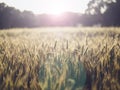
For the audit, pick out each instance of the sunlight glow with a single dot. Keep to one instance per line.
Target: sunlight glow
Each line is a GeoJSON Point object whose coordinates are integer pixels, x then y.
{"type": "Point", "coordinates": [56, 7]}
{"type": "Point", "coordinates": [49, 6]}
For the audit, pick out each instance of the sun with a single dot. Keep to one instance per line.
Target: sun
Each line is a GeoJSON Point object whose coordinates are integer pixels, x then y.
{"type": "Point", "coordinates": [56, 10]}
{"type": "Point", "coordinates": [56, 7]}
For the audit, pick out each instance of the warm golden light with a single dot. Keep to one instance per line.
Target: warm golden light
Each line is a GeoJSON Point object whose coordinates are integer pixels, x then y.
{"type": "Point", "coordinates": [56, 7]}
{"type": "Point", "coordinates": [49, 6]}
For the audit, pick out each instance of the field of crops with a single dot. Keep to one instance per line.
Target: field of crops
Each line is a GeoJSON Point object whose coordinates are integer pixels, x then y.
{"type": "Point", "coordinates": [60, 59]}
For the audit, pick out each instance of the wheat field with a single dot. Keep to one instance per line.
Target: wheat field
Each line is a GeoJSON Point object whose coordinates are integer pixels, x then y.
{"type": "Point", "coordinates": [70, 58]}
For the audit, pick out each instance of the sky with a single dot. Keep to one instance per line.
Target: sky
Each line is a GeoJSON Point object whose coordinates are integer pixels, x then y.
{"type": "Point", "coordinates": [49, 6]}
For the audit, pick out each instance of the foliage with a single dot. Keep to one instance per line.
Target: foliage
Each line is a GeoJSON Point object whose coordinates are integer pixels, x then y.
{"type": "Point", "coordinates": [106, 12]}
{"type": "Point", "coordinates": [99, 12]}
{"type": "Point", "coordinates": [99, 6]}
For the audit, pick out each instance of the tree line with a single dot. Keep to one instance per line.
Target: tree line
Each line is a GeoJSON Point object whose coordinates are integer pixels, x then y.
{"type": "Point", "coordinates": [99, 12]}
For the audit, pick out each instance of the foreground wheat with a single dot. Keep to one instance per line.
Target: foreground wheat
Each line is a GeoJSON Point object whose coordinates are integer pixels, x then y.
{"type": "Point", "coordinates": [60, 59]}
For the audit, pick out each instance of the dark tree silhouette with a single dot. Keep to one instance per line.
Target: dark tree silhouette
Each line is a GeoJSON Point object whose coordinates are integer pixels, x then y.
{"type": "Point", "coordinates": [11, 17]}
{"type": "Point", "coordinates": [2, 7]}
{"type": "Point", "coordinates": [98, 6]}
{"type": "Point", "coordinates": [106, 11]}
{"type": "Point", "coordinates": [99, 12]}
{"type": "Point", "coordinates": [112, 15]}
{"type": "Point", "coordinates": [28, 18]}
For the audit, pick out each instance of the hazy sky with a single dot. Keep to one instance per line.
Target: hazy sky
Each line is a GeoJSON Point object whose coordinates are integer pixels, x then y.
{"type": "Point", "coordinates": [49, 6]}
